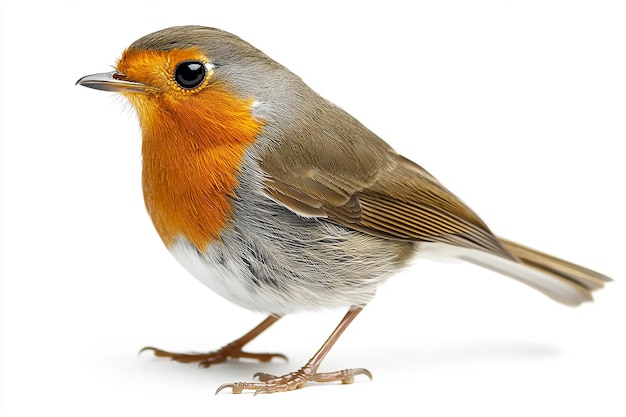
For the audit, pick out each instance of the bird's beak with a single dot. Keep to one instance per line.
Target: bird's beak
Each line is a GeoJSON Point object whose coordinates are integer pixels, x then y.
{"type": "Point", "coordinates": [113, 81]}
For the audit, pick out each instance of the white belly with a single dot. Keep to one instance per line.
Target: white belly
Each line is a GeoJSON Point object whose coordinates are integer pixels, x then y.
{"type": "Point", "coordinates": [265, 277]}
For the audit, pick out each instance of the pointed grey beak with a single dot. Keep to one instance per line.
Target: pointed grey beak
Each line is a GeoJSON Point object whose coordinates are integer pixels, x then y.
{"type": "Point", "coordinates": [113, 81]}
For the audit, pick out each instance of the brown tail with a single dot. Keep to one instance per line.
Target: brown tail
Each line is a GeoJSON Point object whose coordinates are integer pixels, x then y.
{"type": "Point", "coordinates": [560, 280]}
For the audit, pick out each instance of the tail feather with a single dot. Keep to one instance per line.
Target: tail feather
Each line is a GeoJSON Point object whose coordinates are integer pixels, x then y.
{"type": "Point", "coordinates": [586, 277]}
{"type": "Point", "coordinates": [560, 280]}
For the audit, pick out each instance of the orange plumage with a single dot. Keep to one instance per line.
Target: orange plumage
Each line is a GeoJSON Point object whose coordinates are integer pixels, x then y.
{"type": "Point", "coordinates": [193, 145]}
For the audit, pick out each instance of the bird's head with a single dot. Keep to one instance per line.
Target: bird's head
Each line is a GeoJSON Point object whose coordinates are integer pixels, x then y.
{"type": "Point", "coordinates": [203, 97]}
{"type": "Point", "coordinates": [199, 75]}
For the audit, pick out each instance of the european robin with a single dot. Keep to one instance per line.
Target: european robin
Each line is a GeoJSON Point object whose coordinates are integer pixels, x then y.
{"type": "Point", "coordinates": [280, 201]}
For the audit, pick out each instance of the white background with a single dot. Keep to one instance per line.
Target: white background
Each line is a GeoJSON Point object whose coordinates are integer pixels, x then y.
{"type": "Point", "coordinates": [518, 107]}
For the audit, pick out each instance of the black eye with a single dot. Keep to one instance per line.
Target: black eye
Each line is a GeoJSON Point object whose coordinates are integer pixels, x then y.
{"type": "Point", "coordinates": [190, 74]}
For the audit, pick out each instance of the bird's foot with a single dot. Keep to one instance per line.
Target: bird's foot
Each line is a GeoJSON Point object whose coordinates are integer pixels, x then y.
{"type": "Point", "coordinates": [231, 351]}
{"type": "Point", "coordinates": [270, 383]}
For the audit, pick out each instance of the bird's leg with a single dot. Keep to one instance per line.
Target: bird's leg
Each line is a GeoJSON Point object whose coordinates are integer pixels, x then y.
{"type": "Point", "coordinates": [294, 380]}
{"type": "Point", "coordinates": [232, 350]}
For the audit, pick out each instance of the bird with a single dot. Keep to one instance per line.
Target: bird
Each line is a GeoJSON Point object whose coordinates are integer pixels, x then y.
{"type": "Point", "coordinates": [282, 202]}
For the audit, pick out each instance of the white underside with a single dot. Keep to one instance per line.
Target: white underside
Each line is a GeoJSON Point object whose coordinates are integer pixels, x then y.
{"type": "Point", "coordinates": [225, 279]}
{"type": "Point", "coordinates": [229, 276]}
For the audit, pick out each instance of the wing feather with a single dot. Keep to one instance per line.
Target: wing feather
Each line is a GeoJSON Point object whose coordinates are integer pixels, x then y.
{"type": "Point", "coordinates": [398, 200]}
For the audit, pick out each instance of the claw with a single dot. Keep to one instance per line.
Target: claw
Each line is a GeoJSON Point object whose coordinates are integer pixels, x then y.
{"type": "Point", "coordinates": [263, 377]}
{"type": "Point", "coordinates": [146, 349]}
{"type": "Point", "coordinates": [234, 387]}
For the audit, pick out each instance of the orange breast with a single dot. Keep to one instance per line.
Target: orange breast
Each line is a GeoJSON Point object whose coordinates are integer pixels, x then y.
{"type": "Point", "coordinates": [193, 146]}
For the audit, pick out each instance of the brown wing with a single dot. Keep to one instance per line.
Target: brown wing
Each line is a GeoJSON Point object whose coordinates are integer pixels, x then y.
{"type": "Point", "coordinates": [364, 185]}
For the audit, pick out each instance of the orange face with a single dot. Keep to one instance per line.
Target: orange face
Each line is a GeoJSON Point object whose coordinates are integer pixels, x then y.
{"type": "Point", "coordinates": [194, 140]}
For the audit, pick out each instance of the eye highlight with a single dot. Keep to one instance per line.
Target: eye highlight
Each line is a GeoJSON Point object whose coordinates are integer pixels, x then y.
{"type": "Point", "coordinates": [190, 74]}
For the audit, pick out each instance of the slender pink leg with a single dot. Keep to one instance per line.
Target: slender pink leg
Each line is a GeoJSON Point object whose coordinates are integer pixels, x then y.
{"type": "Point", "coordinates": [294, 380]}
